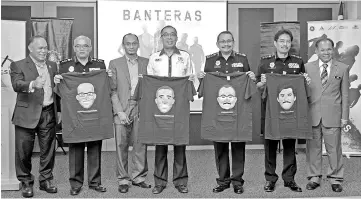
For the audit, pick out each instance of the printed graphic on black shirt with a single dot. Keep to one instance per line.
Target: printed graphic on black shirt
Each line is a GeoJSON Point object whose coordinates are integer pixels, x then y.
{"type": "Point", "coordinates": [165, 98]}
{"type": "Point", "coordinates": [86, 95]}
{"type": "Point", "coordinates": [227, 97]}
{"type": "Point", "coordinates": [286, 97]}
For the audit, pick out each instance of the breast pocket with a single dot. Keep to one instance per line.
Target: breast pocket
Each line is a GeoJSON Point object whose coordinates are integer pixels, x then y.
{"type": "Point", "coordinates": [88, 118]}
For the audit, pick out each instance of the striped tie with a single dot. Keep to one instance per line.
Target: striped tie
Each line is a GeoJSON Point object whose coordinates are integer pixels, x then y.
{"type": "Point", "coordinates": [324, 75]}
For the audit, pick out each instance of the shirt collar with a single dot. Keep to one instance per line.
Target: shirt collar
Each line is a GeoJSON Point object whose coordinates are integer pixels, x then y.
{"type": "Point", "coordinates": [176, 51]}
{"type": "Point", "coordinates": [320, 63]}
{"type": "Point", "coordinates": [276, 56]}
{"type": "Point", "coordinates": [231, 55]}
{"type": "Point", "coordinates": [131, 60]}
{"type": "Point", "coordinates": [38, 64]}
{"type": "Point", "coordinates": [76, 60]}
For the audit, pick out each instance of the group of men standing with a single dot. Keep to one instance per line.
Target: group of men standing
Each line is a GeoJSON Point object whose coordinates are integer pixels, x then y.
{"type": "Point", "coordinates": [37, 111]}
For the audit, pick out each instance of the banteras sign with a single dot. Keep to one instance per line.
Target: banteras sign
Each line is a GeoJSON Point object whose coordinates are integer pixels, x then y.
{"type": "Point", "coordinates": [166, 15]}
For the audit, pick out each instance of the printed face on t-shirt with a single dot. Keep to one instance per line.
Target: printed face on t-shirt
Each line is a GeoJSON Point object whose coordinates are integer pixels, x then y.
{"type": "Point", "coordinates": [227, 97]}
{"type": "Point", "coordinates": [86, 95]}
{"type": "Point", "coordinates": [164, 99]}
{"type": "Point", "coordinates": [286, 98]}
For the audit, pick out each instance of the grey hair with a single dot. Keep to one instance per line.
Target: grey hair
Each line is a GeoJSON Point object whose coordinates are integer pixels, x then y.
{"type": "Point", "coordinates": [83, 37]}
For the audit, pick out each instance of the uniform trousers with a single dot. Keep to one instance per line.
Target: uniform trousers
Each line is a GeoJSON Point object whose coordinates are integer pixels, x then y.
{"type": "Point", "coordinates": [180, 173]}
{"type": "Point", "coordinates": [221, 151]}
{"type": "Point", "coordinates": [289, 159]}
{"type": "Point", "coordinates": [24, 145]}
{"type": "Point", "coordinates": [76, 163]}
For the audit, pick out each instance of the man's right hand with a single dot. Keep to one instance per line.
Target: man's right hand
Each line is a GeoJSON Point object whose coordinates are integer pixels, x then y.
{"type": "Point", "coordinates": [123, 118]}
{"type": "Point", "coordinates": [39, 82]}
{"type": "Point", "coordinates": [263, 78]}
{"type": "Point", "coordinates": [57, 79]}
{"type": "Point", "coordinates": [201, 75]}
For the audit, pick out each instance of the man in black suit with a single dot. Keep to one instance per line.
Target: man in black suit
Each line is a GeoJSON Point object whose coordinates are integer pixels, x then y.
{"type": "Point", "coordinates": [34, 113]}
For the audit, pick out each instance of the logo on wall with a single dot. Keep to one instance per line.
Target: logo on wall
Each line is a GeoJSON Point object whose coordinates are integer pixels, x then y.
{"type": "Point", "coordinates": [312, 28]}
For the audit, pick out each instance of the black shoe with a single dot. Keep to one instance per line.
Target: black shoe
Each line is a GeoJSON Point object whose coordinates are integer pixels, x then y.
{"type": "Point", "coordinates": [238, 189]}
{"type": "Point", "coordinates": [123, 188]}
{"type": "Point", "coordinates": [75, 191]}
{"type": "Point", "coordinates": [48, 186]}
{"type": "Point", "coordinates": [269, 186]}
{"type": "Point", "coordinates": [98, 188]}
{"type": "Point", "coordinates": [27, 191]}
{"type": "Point", "coordinates": [220, 188]}
{"type": "Point", "coordinates": [293, 186]}
{"type": "Point", "coordinates": [182, 188]}
{"type": "Point", "coordinates": [158, 189]}
{"type": "Point", "coordinates": [336, 187]}
{"type": "Point", "coordinates": [142, 185]}
{"type": "Point", "coordinates": [312, 185]}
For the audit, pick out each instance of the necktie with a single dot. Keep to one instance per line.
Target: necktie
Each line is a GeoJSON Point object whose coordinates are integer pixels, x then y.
{"type": "Point", "coordinates": [324, 75]}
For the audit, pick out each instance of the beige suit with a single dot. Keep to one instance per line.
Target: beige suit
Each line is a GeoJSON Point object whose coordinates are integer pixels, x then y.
{"type": "Point", "coordinates": [328, 106]}
{"type": "Point", "coordinates": [125, 135]}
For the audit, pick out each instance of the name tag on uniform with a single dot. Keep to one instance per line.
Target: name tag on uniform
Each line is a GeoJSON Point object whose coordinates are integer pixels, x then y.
{"type": "Point", "coordinates": [293, 65]}
{"type": "Point", "coordinates": [237, 65]}
{"type": "Point", "coordinates": [91, 69]}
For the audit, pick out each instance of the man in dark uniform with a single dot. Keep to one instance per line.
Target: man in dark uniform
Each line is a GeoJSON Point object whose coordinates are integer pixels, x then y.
{"type": "Point", "coordinates": [228, 61]}
{"type": "Point", "coordinates": [280, 63]}
{"type": "Point", "coordinates": [82, 62]}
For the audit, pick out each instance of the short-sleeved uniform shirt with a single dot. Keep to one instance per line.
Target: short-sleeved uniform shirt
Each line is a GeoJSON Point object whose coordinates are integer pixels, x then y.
{"type": "Point", "coordinates": [236, 62]}
{"type": "Point", "coordinates": [287, 115]}
{"type": "Point", "coordinates": [171, 127]}
{"type": "Point", "coordinates": [292, 64]}
{"type": "Point", "coordinates": [232, 125]}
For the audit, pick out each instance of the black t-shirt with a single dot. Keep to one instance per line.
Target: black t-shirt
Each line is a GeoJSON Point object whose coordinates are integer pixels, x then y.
{"type": "Point", "coordinates": [221, 121]}
{"type": "Point", "coordinates": [287, 114]}
{"type": "Point", "coordinates": [172, 126]}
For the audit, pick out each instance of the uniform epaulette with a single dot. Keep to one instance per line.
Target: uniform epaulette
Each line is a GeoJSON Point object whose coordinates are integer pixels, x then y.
{"type": "Point", "coordinates": [267, 56]}
{"type": "Point", "coordinates": [98, 60]}
{"type": "Point", "coordinates": [211, 55]}
{"type": "Point", "coordinates": [65, 60]}
{"type": "Point", "coordinates": [296, 56]}
{"type": "Point", "coordinates": [237, 53]}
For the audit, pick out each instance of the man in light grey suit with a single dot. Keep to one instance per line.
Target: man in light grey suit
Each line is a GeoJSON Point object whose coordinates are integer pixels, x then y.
{"type": "Point", "coordinates": [329, 111]}
{"type": "Point", "coordinates": [125, 71]}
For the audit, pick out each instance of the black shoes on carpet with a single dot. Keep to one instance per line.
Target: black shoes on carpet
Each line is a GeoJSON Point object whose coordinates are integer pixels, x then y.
{"type": "Point", "coordinates": [270, 186]}
{"type": "Point", "coordinates": [312, 185]}
{"type": "Point", "coordinates": [238, 189]}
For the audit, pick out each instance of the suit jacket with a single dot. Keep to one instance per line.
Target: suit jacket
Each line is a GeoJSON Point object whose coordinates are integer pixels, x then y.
{"type": "Point", "coordinates": [29, 104]}
{"type": "Point", "coordinates": [121, 92]}
{"type": "Point", "coordinates": [330, 103]}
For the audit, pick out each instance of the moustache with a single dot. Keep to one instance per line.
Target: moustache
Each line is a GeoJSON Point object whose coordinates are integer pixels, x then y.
{"type": "Point", "coordinates": [286, 102]}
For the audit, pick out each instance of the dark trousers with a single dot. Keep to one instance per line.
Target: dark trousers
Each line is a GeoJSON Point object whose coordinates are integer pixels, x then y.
{"type": "Point", "coordinates": [289, 160]}
{"type": "Point", "coordinates": [24, 145]}
{"type": "Point", "coordinates": [76, 163]}
{"type": "Point", "coordinates": [180, 173]}
{"type": "Point", "coordinates": [221, 150]}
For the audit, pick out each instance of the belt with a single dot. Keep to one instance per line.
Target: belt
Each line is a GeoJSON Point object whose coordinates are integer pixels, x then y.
{"type": "Point", "coordinates": [48, 107]}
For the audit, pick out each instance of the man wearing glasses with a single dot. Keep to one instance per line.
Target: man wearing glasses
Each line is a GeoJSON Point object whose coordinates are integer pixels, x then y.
{"type": "Point", "coordinates": [228, 61]}
{"type": "Point", "coordinates": [281, 63]}
{"type": "Point", "coordinates": [82, 62]}
{"type": "Point", "coordinates": [170, 62]}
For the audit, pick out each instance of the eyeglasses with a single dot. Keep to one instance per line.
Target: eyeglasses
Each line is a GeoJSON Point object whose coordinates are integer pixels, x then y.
{"type": "Point", "coordinates": [82, 46]}
{"type": "Point", "coordinates": [227, 96]}
{"type": "Point", "coordinates": [284, 41]}
{"type": "Point", "coordinates": [169, 35]}
{"type": "Point", "coordinates": [128, 44]}
{"type": "Point", "coordinates": [83, 95]}
{"type": "Point", "coordinates": [224, 41]}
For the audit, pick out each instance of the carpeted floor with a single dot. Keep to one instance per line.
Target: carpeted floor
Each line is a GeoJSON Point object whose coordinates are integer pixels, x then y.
{"type": "Point", "coordinates": [202, 174]}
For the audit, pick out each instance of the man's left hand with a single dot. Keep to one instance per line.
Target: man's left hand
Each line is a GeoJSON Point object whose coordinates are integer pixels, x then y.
{"type": "Point", "coordinates": [192, 77]}
{"type": "Point", "coordinates": [251, 75]}
{"type": "Point", "coordinates": [109, 73]}
{"type": "Point", "coordinates": [308, 79]}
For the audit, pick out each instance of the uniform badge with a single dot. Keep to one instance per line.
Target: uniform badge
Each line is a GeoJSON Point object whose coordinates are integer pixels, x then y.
{"type": "Point", "coordinates": [92, 69]}
{"type": "Point", "coordinates": [293, 65]}
{"type": "Point", "coordinates": [158, 59]}
{"type": "Point", "coordinates": [217, 64]}
{"type": "Point", "coordinates": [284, 72]}
{"type": "Point", "coordinates": [180, 59]}
{"type": "Point", "coordinates": [71, 69]}
{"type": "Point", "coordinates": [272, 65]}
